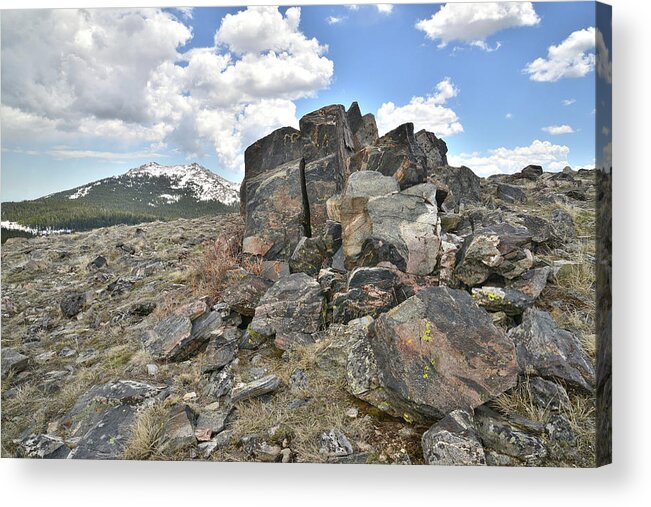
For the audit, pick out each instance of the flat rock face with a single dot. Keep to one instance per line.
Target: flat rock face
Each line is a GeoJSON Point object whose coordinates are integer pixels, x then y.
{"type": "Point", "coordinates": [101, 419]}
{"type": "Point", "coordinates": [13, 361]}
{"type": "Point", "coordinates": [275, 214]}
{"type": "Point", "coordinates": [546, 350]}
{"type": "Point", "coordinates": [291, 311]}
{"type": "Point", "coordinates": [453, 441]}
{"type": "Point", "coordinates": [400, 228]}
{"type": "Point", "coordinates": [434, 353]}
{"type": "Point", "coordinates": [244, 292]}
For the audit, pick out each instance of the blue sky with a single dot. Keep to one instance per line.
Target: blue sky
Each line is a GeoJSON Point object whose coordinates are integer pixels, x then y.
{"type": "Point", "coordinates": [90, 94]}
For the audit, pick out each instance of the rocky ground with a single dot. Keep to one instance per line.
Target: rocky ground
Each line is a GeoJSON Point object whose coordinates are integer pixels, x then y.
{"type": "Point", "coordinates": [372, 315]}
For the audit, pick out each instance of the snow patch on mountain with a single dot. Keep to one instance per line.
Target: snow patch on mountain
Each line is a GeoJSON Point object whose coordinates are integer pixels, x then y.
{"type": "Point", "coordinates": [204, 184]}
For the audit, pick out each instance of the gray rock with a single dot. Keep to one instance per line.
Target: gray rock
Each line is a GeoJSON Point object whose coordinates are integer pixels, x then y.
{"type": "Point", "coordinates": [182, 334]}
{"type": "Point", "coordinates": [510, 194]}
{"type": "Point", "coordinates": [559, 429]}
{"type": "Point", "coordinates": [395, 154]}
{"type": "Point", "coordinates": [532, 172]}
{"type": "Point", "coordinates": [335, 444]}
{"type": "Point", "coordinates": [502, 250]}
{"type": "Point", "coordinates": [210, 422]}
{"type": "Point", "coordinates": [363, 128]}
{"type": "Point", "coordinates": [222, 348]}
{"type": "Point", "coordinates": [86, 357]}
{"type": "Point", "coordinates": [370, 184]}
{"type": "Point", "coordinates": [499, 299]}
{"type": "Point", "coordinates": [434, 149]}
{"type": "Point", "coordinates": [72, 303]}
{"type": "Point", "coordinates": [43, 447]}
{"type": "Point", "coordinates": [461, 186]}
{"type": "Point", "coordinates": [546, 350]}
{"type": "Point", "coordinates": [563, 224]}
{"type": "Point", "coordinates": [398, 228]}
{"type": "Point", "coordinates": [13, 362]}
{"type": "Point", "coordinates": [308, 256]}
{"type": "Point", "coordinates": [548, 395]}
{"type": "Point", "coordinates": [453, 441]}
{"type": "Point", "coordinates": [244, 292]}
{"type": "Point", "coordinates": [434, 353]}
{"type": "Point", "coordinates": [531, 282]}
{"type": "Point", "coordinates": [178, 433]}
{"type": "Point", "coordinates": [504, 438]}
{"type": "Point", "coordinates": [220, 441]}
{"type": "Point", "coordinates": [265, 385]}
{"type": "Point", "coordinates": [292, 309]}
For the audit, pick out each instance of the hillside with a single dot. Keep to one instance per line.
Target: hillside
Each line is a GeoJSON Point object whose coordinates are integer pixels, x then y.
{"type": "Point", "coordinates": [143, 194]}
{"type": "Point", "coordinates": [407, 312]}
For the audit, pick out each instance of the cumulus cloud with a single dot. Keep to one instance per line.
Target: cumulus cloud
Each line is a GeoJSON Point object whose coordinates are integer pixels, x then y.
{"type": "Point", "coordinates": [473, 23]}
{"type": "Point", "coordinates": [384, 8]}
{"type": "Point", "coordinates": [333, 20]}
{"type": "Point", "coordinates": [121, 75]}
{"type": "Point", "coordinates": [427, 112]}
{"type": "Point", "coordinates": [552, 157]}
{"type": "Point", "coordinates": [574, 57]}
{"type": "Point", "coordinates": [568, 102]}
{"type": "Point", "coordinates": [556, 130]}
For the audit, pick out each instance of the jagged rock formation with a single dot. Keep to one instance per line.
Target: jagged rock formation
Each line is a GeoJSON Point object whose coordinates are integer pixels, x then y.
{"type": "Point", "coordinates": [383, 307]}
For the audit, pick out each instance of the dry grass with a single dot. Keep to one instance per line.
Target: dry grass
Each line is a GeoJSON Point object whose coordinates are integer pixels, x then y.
{"type": "Point", "coordinates": [520, 401]}
{"type": "Point", "coordinates": [209, 271]}
{"type": "Point", "coordinates": [303, 426]}
{"type": "Point", "coordinates": [146, 434]}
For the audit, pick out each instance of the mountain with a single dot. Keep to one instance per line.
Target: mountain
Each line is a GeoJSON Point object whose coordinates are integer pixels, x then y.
{"type": "Point", "coordinates": [143, 194]}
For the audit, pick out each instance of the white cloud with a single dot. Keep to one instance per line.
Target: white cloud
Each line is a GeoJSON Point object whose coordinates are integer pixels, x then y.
{"type": "Point", "coordinates": [604, 63]}
{"type": "Point", "coordinates": [384, 8]}
{"type": "Point", "coordinates": [552, 157]}
{"type": "Point", "coordinates": [556, 130]}
{"type": "Point", "coordinates": [425, 112]}
{"type": "Point", "coordinates": [473, 23]}
{"type": "Point", "coordinates": [508, 116]}
{"type": "Point", "coordinates": [114, 74]}
{"type": "Point", "coordinates": [333, 20]}
{"type": "Point", "coordinates": [352, 7]}
{"type": "Point", "coordinates": [574, 57]}
{"type": "Point", "coordinates": [186, 12]}
{"type": "Point", "coordinates": [568, 102]}
{"type": "Point", "coordinates": [62, 153]}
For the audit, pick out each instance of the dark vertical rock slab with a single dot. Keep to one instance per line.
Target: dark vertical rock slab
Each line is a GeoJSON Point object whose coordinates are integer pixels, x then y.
{"type": "Point", "coordinates": [434, 149]}
{"type": "Point", "coordinates": [275, 214]}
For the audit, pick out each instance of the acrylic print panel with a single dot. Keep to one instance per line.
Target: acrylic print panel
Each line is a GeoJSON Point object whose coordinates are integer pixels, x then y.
{"type": "Point", "coordinates": [367, 234]}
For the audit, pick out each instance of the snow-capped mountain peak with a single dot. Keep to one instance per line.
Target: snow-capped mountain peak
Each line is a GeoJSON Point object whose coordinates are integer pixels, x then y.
{"type": "Point", "coordinates": [204, 184]}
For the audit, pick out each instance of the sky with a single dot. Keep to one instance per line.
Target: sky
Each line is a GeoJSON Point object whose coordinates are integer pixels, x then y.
{"type": "Point", "coordinates": [88, 94]}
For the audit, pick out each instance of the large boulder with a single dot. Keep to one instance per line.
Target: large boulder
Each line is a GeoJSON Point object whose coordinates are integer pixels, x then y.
{"type": "Point", "coordinates": [434, 353]}
{"type": "Point", "coordinates": [292, 310]}
{"type": "Point", "coordinates": [401, 228]}
{"type": "Point", "coordinates": [244, 292]}
{"type": "Point", "coordinates": [546, 350]}
{"type": "Point", "coordinates": [395, 154]}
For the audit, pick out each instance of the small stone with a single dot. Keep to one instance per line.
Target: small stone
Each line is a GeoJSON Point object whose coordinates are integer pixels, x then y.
{"type": "Point", "coordinates": [352, 413]}
{"type": "Point", "coordinates": [67, 352]}
{"type": "Point", "coordinates": [72, 303]}
{"type": "Point", "coordinates": [256, 388]}
{"type": "Point", "coordinates": [335, 444]}
{"type": "Point", "coordinates": [286, 455]}
{"type": "Point", "coordinates": [152, 369]}
{"type": "Point", "coordinates": [189, 396]}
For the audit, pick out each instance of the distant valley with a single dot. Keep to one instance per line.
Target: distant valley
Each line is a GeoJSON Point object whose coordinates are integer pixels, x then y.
{"type": "Point", "coordinates": [143, 194]}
